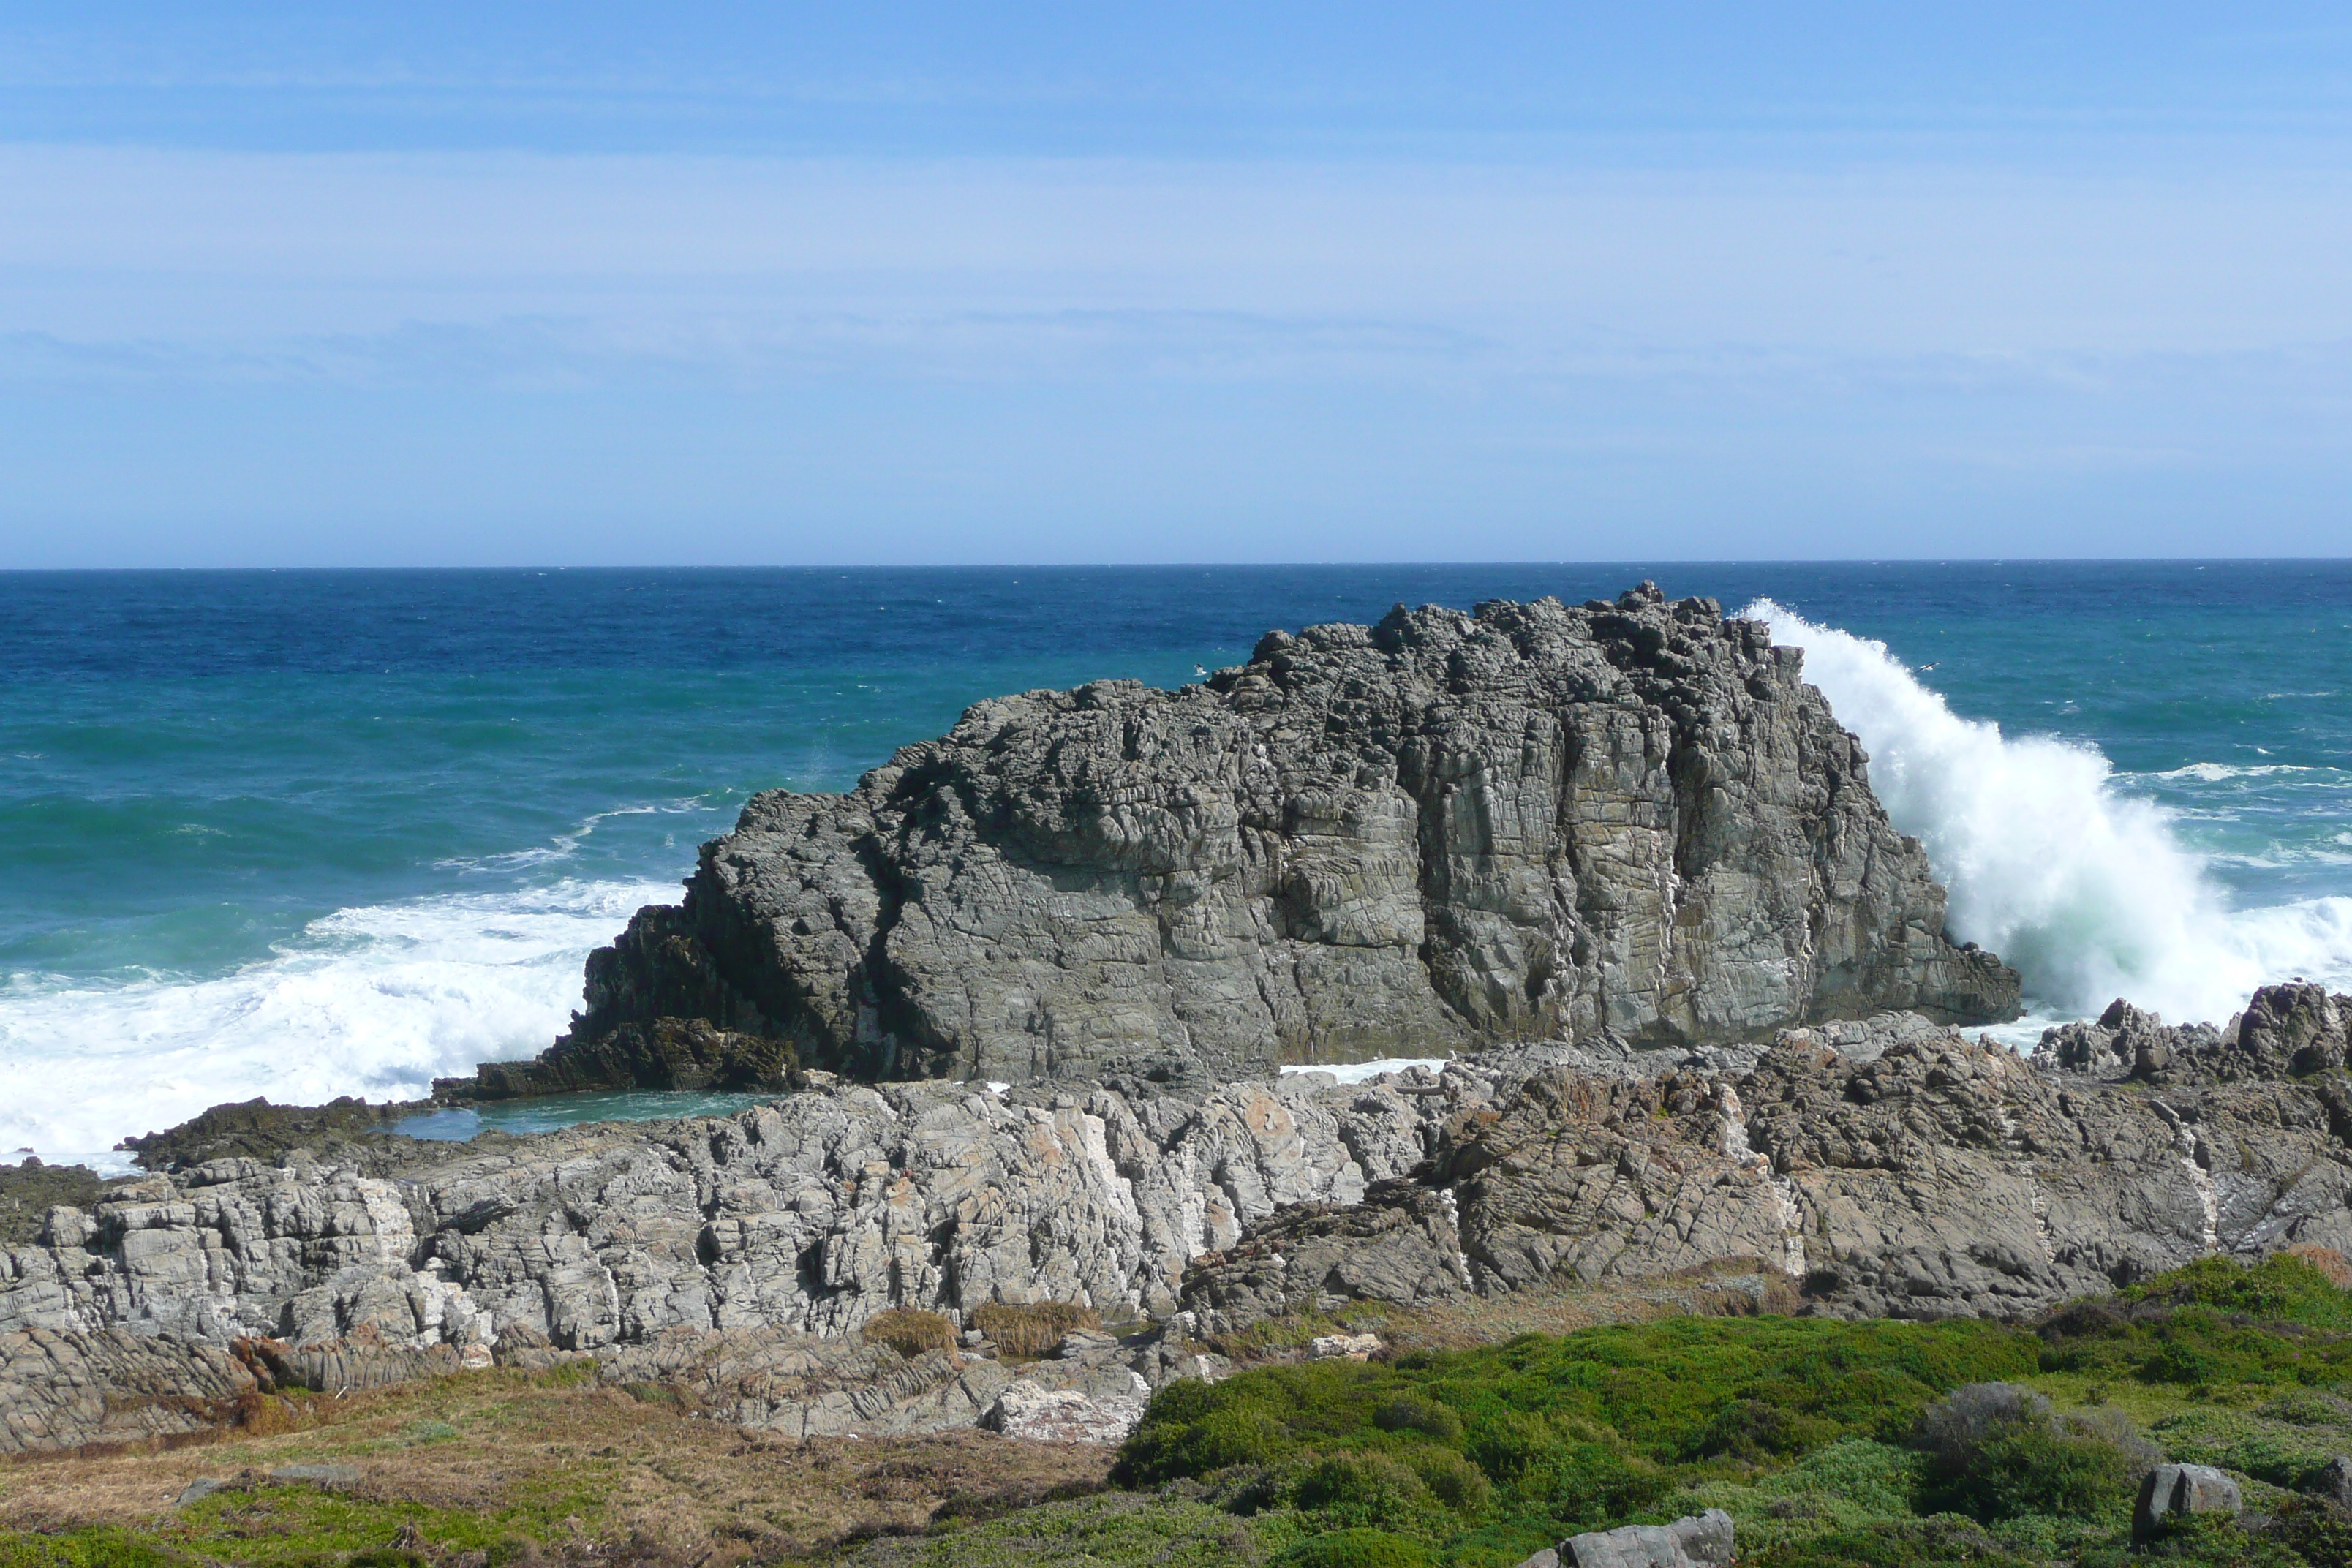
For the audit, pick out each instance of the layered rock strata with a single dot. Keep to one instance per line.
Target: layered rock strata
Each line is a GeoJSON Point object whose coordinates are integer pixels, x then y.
{"type": "Point", "coordinates": [1446, 831]}
{"type": "Point", "coordinates": [1884, 1166]}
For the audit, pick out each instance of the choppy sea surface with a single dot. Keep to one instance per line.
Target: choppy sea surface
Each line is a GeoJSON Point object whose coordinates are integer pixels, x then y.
{"type": "Point", "coordinates": [305, 834]}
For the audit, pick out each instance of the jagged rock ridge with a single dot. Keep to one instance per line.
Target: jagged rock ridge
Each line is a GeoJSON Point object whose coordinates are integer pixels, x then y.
{"type": "Point", "coordinates": [1881, 1166]}
{"type": "Point", "coordinates": [1446, 831]}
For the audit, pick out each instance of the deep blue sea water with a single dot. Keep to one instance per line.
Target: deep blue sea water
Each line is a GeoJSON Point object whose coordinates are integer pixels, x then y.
{"type": "Point", "coordinates": [311, 833]}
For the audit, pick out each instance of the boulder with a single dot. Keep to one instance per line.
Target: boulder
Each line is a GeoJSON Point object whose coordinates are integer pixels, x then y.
{"type": "Point", "coordinates": [2334, 1482]}
{"type": "Point", "coordinates": [1342, 1347]}
{"type": "Point", "coordinates": [1060, 1415]}
{"type": "Point", "coordinates": [2180, 1489]}
{"type": "Point", "coordinates": [1444, 831]}
{"type": "Point", "coordinates": [1699, 1540]}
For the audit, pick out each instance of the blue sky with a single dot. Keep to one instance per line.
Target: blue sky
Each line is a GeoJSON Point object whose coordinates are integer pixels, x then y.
{"type": "Point", "coordinates": [341, 285]}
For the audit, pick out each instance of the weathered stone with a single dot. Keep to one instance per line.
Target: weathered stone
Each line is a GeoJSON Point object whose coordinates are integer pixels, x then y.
{"type": "Point", "coordinates": [2181, 1489]}
{"type": "Point", "coordinates": [67, 1390]}
{"type": "Point", "coordinates": [1699, 1540]}
{"type": "Point", "coordinates": [196, 1491]}
{"type": "Point", "coordinates": [1061, 1415]}
{"type": "Point", "coordinates": [1342, 1347]}
{"type": "Point", "coordinates": [1443, 831]}
{"type": "Point", "coordinates": [1399, 1245]}
{"type": "Point", "coordinates": [1880, 1167]}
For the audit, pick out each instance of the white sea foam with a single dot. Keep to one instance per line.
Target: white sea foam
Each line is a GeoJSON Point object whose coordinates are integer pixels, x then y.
{"type": "Point", "coordinates": [373, 1002]}
{"type": "Point", "coordinates": [2220, 773]}
{"type": "Point", "coordinates": [2090, 893]}
{"type": "Point", "coordinates": [1364, 1072]}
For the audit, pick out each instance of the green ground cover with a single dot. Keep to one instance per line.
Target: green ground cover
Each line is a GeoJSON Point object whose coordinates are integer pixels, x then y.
{"type": "Point", "coordinates": [1832, 1444]}
{"type": "Point", "coordinates": [1818, 1437]}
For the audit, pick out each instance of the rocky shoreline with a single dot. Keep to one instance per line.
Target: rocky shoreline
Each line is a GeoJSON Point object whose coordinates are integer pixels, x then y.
{"type": "Point", "coordinates": [1618, 861]}
{"type": "Point", "coordinates": [1883, 1167]}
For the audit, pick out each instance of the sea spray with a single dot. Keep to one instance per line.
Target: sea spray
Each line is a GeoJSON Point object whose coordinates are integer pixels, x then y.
{"type": "Point", "coordinates": [374, 1002]}
{"type": "Point", "coordinates": [2089, 892]}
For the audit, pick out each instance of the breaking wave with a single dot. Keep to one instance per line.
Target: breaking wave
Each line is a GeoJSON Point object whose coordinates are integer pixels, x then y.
{"type": "Point", "coordinates": [374, 1002]}
{"type": "Point", "coordinates": [2089, 892]}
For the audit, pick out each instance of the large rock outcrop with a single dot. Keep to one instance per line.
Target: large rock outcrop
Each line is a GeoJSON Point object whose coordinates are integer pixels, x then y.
{"type": "Point", "coordinates": [1441, 832]}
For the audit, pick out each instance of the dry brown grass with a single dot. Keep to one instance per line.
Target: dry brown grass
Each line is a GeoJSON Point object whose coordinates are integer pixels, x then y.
{"type": "Point", "coordinates": [1027, 1332]}
{"type": "Point", "coordinates": [605, 1469]}
{"type": "Point", "coordinates": [909, 1332]}
{"type": "Point", "coordinates": [1729, 1288]}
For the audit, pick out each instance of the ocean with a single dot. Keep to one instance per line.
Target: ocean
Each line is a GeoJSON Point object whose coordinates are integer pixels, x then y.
{"type": "Point", "coordinates": [306, 833]}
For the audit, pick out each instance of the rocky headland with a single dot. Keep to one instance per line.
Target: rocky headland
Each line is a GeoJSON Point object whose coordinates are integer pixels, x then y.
{"type": "Point", "coordinates": [1444, 832]}
{"type": "Point", "coordinates": [1021, 996]}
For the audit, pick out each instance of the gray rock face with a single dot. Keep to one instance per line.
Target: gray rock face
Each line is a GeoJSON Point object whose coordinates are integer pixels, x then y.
{"type": "Point", "coordinates": [1700, 1540]}
{"type": "Point", "coordinates": [2172, 1489]}
{"type": "Point", "coordinates": [1897, 1170]}
{"type": "Point", "coordinates": [805, 1217]}
{"type": "Point", "coordinates": [63, 1390]}
{"type": "Point", "coordinates": [1441, 832]}
{"type": "Point", "coordinates": [1886, 1166]}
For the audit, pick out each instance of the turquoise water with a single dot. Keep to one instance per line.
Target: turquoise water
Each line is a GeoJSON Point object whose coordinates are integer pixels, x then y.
{"type": "Point", "coordinates": [306, 833]}
{"type": "Point", "coordinates": [548, 1112]}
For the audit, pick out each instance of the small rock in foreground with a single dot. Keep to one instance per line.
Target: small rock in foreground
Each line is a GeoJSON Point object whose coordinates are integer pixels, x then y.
{"type": "Point", "coordinates": [2182, 1488]}
{"type": "Point", "coordinates": [1699, 1540]}
{"type": "Point", "coordinates": [1336, 1347]}
{"type": "Point", "coordinates": [1060, 1416]}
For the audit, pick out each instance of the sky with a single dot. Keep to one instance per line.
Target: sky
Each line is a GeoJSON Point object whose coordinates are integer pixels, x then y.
{"type": "Point", "coordinates": [591, 284]}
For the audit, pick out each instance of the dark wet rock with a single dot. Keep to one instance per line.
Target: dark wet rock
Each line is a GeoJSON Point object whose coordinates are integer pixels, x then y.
{"type": "Point", "coordinates": [2295, 1029]}
{"type": "Point", "coordinates": [29, 1191]}
{"type": "Point", "coordinates": [257, 1129]}
{"type": "Point", "coordinates": [1446, 831]}
{"type": "Point", "coordinates": [666, 1054]}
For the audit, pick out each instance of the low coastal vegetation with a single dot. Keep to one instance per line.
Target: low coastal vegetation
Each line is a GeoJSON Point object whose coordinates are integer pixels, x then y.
{"type": "Point", "coordinates": [1833, 1444]}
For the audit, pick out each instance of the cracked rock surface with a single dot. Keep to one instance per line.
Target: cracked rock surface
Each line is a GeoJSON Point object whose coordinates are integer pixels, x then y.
{"type": "Point", "coordinates": [1445, 831]}
{"type": "Point", "coordinates": [1888, 1166]}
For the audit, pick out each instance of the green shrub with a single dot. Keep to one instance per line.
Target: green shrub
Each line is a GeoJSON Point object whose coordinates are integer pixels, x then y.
{"type": "Point", "coordinates": [2280, 1288]}
{"type": "Point", "coordinates": [1371, 1490]}
{"type": "Point", "coordinates": [2280, 1452]}
{"type": "Point", "coordinates": [1754, 1429]}
{"type": "Point", "coordinates": [909, 1331]}
{"type": "Point", "coordinates": [1411, 1413]}
{"type": "Point", "coordinates": [2317, 1532]}
{"type": "Point", "coordinates": [2029, 1467]}
{"type": "Point", "coordinates": [1451, 1478]}
{"type": "Point", "coordinates": [1996, 1451]}
{"type": "Point", "coordinates": [1354, 1548]}
{"type": "Point", "coordinates": [1934, 1542]}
